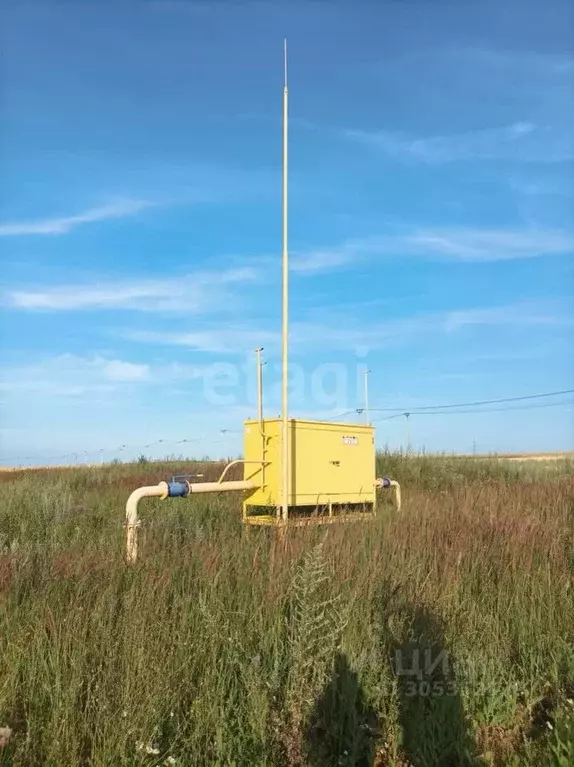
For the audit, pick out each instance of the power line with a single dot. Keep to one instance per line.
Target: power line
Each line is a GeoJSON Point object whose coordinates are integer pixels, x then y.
{"type": "Point", "coordinates": [483, 402]}
{"type": "Point", "coordinates": [347, 412]}
{"type": "Point", "coordinates": [403, 410]}
{"type": "Point", "coordinates": [82, 455]}
{"type": "Point", "coordinates": [499, 409]}
{"type": "Point", "coordinates": [450, 409]}
{"type": "Point", "coordinates": [482, 410]}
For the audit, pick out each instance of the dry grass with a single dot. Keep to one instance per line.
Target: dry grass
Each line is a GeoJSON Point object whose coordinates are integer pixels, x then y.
{"type": "Point", "coordinates": [228, 648]}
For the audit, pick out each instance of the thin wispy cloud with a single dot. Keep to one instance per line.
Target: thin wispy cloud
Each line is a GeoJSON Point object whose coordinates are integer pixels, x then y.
{"type": "Point", "coordinates": [325, 332]}
{"type": "Point", "coordinates": [520, 141]}
{"type": "Point", "coordinates": [489, 244]}
{"type": "Point", "coordinates": [381, 335]}
{"type": "Point", "coordinates": [484, 62]}
{"type": "Point", "coordinates": [118, 370]}
{"type": "Point", "coordinates": [206, 292]}
{"type": "Point", "coordinates": [74, 376]}
{"type": "Point", "coordinates": [315, 260]}
{"type": "Point", "coordinates": [454, 244]}
{"type": "Point", "coordinates": [520, 314]}
{"type": "Point", "coordinates": [216, 340]}
{"type": "Point", "coordinates": [193, 294]}
{"type": "Point", "coordinates": [535, 186]}
{"type": "Point", "coordinates": [523, 62]}
{"type": "Point", "coordinates": [65, 224]}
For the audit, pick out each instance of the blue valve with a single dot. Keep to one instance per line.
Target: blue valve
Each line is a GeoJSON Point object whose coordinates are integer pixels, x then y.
{"type": "Point", "coordinates": [177, 489]}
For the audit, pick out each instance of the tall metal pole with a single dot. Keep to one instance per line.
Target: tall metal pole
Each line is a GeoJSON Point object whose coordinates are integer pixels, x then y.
{"type": "Point", "coordinates": [260, 410]}
{"type": "Point", "coordinates": [366, 374]}
{"type": "Point", "coordinates": [284, 407]}
{"type": "Point", "coordinates": [259, 387]}
{"type": "Point", "coordinates": [407, 416]}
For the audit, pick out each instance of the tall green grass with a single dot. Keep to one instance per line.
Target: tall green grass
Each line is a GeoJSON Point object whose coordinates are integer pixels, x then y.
{"type": "Point", "coordinates": [224, 646]}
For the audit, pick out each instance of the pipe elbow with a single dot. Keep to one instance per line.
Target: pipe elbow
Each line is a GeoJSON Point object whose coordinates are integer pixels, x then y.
{"type": "Point", "coordinates": [387, 483]}
{"type": "Point", "coordinates": [397, 489]}
{"type": "Point", "coordinates": [160, 491]}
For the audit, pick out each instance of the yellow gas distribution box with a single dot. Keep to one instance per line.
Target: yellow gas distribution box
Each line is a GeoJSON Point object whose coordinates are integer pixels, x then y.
{"type": "Point", "coordinates": [330, 465]}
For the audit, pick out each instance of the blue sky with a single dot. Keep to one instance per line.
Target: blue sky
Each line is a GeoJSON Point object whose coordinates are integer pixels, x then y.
{"type": "Point", "coordinates": [431, 220]}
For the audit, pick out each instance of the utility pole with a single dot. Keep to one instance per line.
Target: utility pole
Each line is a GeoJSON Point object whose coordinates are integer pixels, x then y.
{"type": "Point", "coordinates": [366, 374]}
{"type": "Point", "coordinates": [407, 416]}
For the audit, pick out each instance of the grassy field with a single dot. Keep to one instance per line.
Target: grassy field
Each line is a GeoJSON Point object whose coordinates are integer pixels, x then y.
{"type": "Point", "coordinates": [439, 635]}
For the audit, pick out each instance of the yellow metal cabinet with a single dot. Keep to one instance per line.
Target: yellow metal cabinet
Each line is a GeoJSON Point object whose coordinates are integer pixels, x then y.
{"type": "Point", "coordinates": [330, 465]}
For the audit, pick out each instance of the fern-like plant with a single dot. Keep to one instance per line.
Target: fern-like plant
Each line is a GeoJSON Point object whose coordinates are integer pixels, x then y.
{"type": "Point", "coordinates": [313, 628]}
